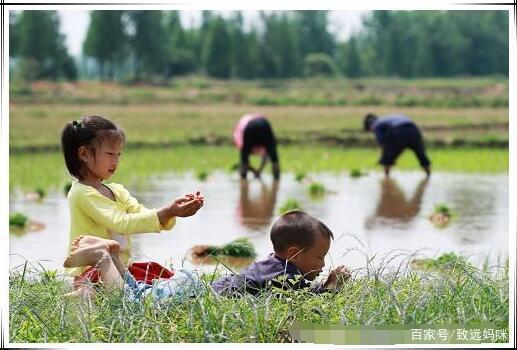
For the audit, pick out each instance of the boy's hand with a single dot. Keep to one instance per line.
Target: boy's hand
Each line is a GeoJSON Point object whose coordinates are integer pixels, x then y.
{"type": "Point", "coordinates": [187, 205]}
{"type": "Point", "coordinates": [337, 277]}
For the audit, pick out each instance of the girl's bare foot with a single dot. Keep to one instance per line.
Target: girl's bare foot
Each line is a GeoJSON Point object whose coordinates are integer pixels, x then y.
{"type": "Point", "coordinates": [112, 245]}
{"type": "Point", "coordinates": [75, 243]}
{"type": "Point", "coordinates": [89, 251]}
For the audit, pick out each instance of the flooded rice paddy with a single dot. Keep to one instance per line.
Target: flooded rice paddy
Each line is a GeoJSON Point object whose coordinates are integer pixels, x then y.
{"type": "Point", "coordinates": [368, 215]}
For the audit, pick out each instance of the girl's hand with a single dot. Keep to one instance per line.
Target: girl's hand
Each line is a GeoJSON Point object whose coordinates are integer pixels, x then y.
{"type": "Point", "coordinates": [337, 277]}
{"type": "Point", "coordinates": [187, 205]}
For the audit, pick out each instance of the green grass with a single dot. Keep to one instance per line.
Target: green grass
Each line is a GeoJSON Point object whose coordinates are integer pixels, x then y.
{"type": "Point", "coordinates": [490, 91]}
{"type": "Point", "coordinates": [38, 313]}
{"type": "Point", "coordinates": [447, 261]}
{"type": "Point", "coordinates": [47, 170]}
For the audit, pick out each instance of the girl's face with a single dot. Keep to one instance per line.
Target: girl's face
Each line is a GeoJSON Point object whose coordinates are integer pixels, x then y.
{"type": "Point", "coordinates": [103, 164]}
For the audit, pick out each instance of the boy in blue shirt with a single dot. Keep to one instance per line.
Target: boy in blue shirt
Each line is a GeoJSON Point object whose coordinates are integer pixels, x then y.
{"type": "Point", "coordinates": [394, 133]}
{"type": "Point", "coordinates": [300, 244]}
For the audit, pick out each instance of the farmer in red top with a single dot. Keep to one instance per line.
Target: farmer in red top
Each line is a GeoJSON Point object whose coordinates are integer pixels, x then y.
{"type": "Point", "coordinates": [253, 134]}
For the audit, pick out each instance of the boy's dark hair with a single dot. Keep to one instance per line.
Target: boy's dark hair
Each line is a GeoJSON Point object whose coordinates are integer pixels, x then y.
{"type": "Point", "coordinates": [368, 121]}
{"type": "Point", "coordinates": [89, 131]}
{"type": "Point", "coordinates": [297, 228]}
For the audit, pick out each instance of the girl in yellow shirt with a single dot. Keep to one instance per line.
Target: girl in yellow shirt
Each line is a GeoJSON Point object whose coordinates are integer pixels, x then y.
{"type": "Point", "coordinates": [92, 147]}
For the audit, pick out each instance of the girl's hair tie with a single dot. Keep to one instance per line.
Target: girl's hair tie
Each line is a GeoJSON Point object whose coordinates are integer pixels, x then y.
{"type": "Point", "coordinates": [76, 123]}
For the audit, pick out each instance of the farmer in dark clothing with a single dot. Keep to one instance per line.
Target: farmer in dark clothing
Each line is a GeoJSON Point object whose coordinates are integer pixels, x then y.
{"type": "Point", "coordinates": [394, 133]}
{"type": "Point", "coordinates": [253, 135]}
{"type": "Point", "coordinates": [300, 243]}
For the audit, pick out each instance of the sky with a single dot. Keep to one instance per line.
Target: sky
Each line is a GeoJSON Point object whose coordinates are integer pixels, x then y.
{"type": "Point", "coordinates": [74, 24]}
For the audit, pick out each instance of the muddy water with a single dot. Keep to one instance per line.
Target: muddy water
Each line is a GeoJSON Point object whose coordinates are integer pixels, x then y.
{"type": "Point", "coordinates": [371, 214]}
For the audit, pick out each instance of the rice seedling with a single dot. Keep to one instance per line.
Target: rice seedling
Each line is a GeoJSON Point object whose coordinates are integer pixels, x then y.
{"type": "Point", "coordinates": [240, 247]}
{"type": "Point", "coordinates": [441, 215]}
{"type": "Point", "coordinates": [288, 205]}
{"type": "Point", "coordinates": [317, 189]}
{"type": "Point", "coordinates": [355, 173]}
{"type": "Point", "coordinates": [202, 175]}
{"type": "Point", "coordinates": [299, 176]}
{"type": "Point", "coordinates": [18, 220]}
{"type": "Point", "coordinates": [142, 163]}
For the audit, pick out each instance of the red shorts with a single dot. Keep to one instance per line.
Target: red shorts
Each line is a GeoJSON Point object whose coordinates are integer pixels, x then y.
{"type": "Point", "coordinates": [141, 271]}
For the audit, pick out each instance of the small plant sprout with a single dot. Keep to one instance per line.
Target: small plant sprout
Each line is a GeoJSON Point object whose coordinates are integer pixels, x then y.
{"type": "Point", "coordinates": [288, 205]}
{"type": "Point", "coordinates": [441, 215]}
{"type": "Point", "coordinates": [239, 248]}
{"type": "Point", "coordinates": [18, 220]}
{"type": "Point", "coordinates": [355, 173]}
{"type": "Point", "coordinates": [317, 189]}
{"type": "Point", "coordinates": [442, 209]}
{"type": "Point", "coordinates": [202, 175]}
{"type": "Point", "coordinates": [300, 176]}
{"type": "Point", "coordinates": [40, 191]}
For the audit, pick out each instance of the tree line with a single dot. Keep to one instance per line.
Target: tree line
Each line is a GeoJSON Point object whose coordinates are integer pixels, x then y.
{"type": "Point", "coordinates": [147, 45]}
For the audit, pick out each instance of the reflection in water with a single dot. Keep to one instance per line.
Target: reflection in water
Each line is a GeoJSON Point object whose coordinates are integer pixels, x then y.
{"type": "Point", "coordinates": [255, 212]}
{"type": "Point", "coordinates": [479, 225]}
{"type": "Point", "coordinates": [473, 203]}
{"type": "Point", "coordinates": [393, 208]}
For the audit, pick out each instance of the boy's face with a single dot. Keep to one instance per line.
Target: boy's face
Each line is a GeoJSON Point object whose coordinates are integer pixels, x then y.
{"type": "Point", "coordinates": [311, 260]}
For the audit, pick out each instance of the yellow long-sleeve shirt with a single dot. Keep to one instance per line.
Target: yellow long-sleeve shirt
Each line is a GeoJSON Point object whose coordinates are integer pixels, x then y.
{"type": "Point", "coordinates": [93, 214]}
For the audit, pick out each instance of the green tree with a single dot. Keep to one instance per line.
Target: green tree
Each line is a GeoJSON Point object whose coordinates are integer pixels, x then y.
{"type": "Point", "coordinates": [39, 44]}
{"type": "Point", "coordinates": [181, 56]}
{"type": "Point", "coordinates": [148, 43]}
{"type": "Point", "coordinates": [244, 48]}
{"type": "Point", "coordinates": [319, 64]}
{"type": "Point", "coordinates": [13, 37]}
{"type": "Point", "coordinates": [279, 51]}
{"type": "Point", "coordinates": [351, 59]}
{"type": "Point", "coordinates": [107, 50]}
{"type": "Point", "coordinates": [217, 56]}
{"type": "Point", "coordinates": [313, 33]}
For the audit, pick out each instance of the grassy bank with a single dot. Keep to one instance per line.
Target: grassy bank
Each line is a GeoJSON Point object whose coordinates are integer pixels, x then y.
{"type": "Point", "coordinates": [433, 93]}
{"type": "Point", "coordinates": [47, 170]}
{"type": "Point", "coordinates": [374, 296]}
{"type": "Point", "coordinates": [203, 110]}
